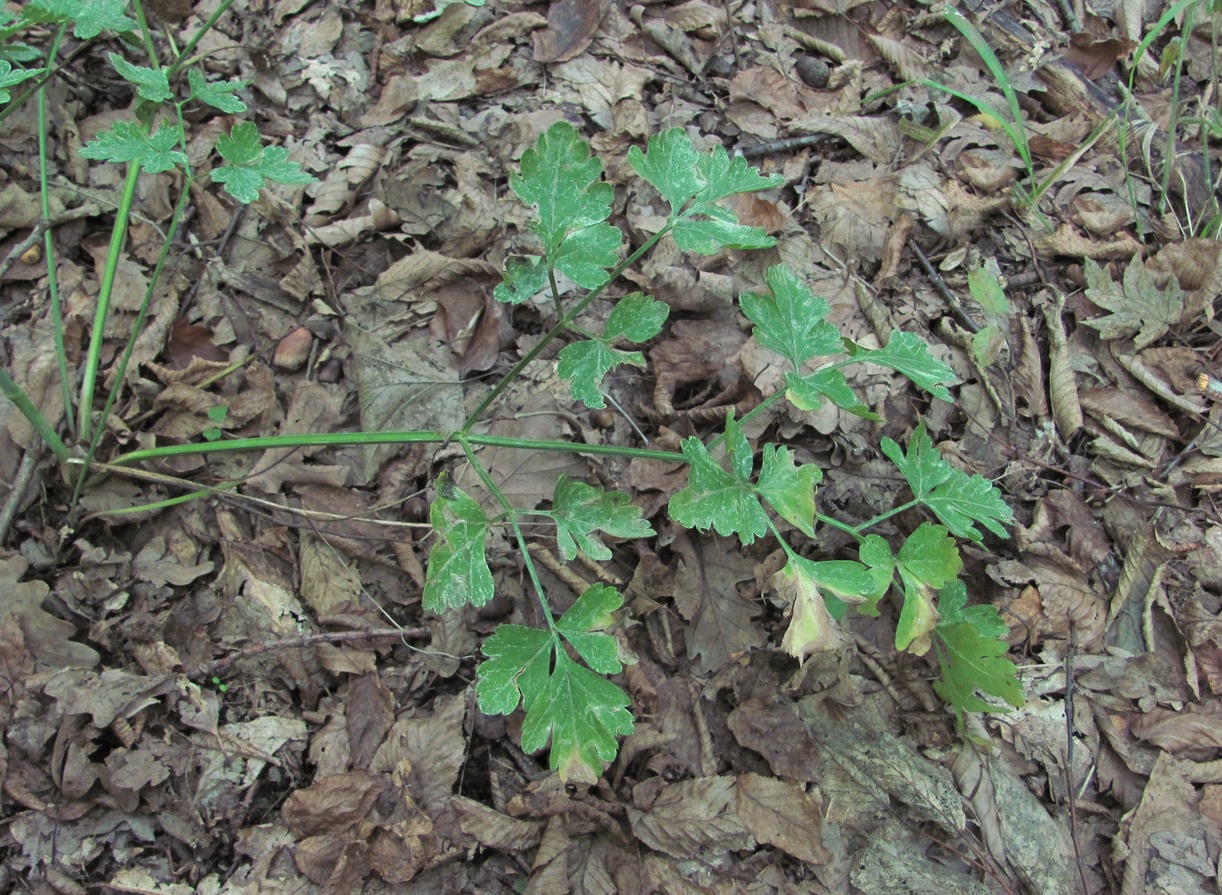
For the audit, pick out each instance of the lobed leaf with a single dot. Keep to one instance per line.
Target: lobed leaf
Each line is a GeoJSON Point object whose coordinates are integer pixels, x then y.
{"type": "Point", "coordinates": [907, 354]}
{"type": "Point", "coordinates": [581, 509]}
{"type": "Point", "coordinates": [1137, 307]}
{"type": "Point", "coordinates": [811, 628]}
{"type": "Point", "coordinates": [725, 176]}
{"type": "Point", "coordinates": [721, 231]}
{"type": "Point", "coordinates": [458, 573]}
{"type": "Point", "coordinates": [788, 488]}
{"type": "Point", "coordinates": [790, 320]}
{"type": "Point", "coordinates": [972, 656]}
{"type": "Point", "coordinates": [127, 142]}
{"type": "Point", "coordinates": [151, 84]}
{"type": "Point", "coordinates": [11, 77]}
{"type": "Point", "coordinates": [584, 623]}
{"type": "Point", "coordinates": [89, 17]}
{"type": "Point", "coordinates": [636, 317]}
{"type": "Point", "coordinates": [248, 165]}
{"type": "Point", "coordinates": [806, 392]}
{"type": "Point", "coordinates": [586, 254]}
{"type": "Point", "coordinates": [716, 499]}
{"type": "Point", "coordinates": [561, 180]}
{"type": "Point", "coordinates": [922, 466]}
{"type": "Point", "coordinates": [218, 94]}
{"type": "Point", "coordinates": [671, 164]}
{"type": "Point", "coordinates": [519, 661]}
{"type": "Point", "coordinates": [585, 363]}
{"type": "Point", "coordinates": [928, 561]}
{"type": "Point", "coordinates": [525, 275]}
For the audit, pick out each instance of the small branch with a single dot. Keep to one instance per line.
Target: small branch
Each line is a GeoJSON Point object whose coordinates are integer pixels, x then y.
{"type": "Point", "coordinates": [952, 300]}
{"type": "Point", "coordinates": [271, 646]}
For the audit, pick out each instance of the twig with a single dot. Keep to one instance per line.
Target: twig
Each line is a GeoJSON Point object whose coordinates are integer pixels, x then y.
{"type": "Point", "coordinates": [23, 246]}
{"type": "Point", "coordinates": [21, 481]}
{"type": "Point", "coordinates": [1069, 741]}
{"type": "Point", "coordinates": [940, 284]}
{"type": "Point", "coordinates": [269, 646]}
{"type": "Point", "coordinates": [785, 145]}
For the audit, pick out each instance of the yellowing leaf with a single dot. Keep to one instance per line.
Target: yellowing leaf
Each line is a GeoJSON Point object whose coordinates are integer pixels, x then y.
{"type": "Point", "coordinates": [811, 628]}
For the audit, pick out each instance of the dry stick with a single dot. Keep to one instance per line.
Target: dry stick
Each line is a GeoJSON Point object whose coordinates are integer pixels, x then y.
{"type": "Point", "coordinates": [940, 284]}
{"type": "Point", "coordinates": [268, 646]}
{"type": "Point", "coordinates": [25, 472]}
{"type": "Point", "coordinates": [784, 145]}
{"type": "Point", "coordinates": [22, 247]}
{"type": "Point", "coordinates": [1069, 781]}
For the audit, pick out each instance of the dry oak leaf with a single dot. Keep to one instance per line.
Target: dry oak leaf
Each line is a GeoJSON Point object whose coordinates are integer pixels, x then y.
{"type": "Point", "coordinates": [48, 638]}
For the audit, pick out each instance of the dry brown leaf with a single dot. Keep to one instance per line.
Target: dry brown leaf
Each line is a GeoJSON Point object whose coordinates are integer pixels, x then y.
{"type": "Point", "coordinates": [332, 804]}
{"type": "Point", "coordinates": [1126, 407]}
{"type": "Point", "coordinates": [571, 25]}
{"type": "Point", "coordinates": [783, 814]}
{"type": "Point", "coordinates": [774, 730]}
{"type": "Point", "coordinates": [722, 625]}
{"type": "Point", "coordinates": [688, 817]}
{"type": "Point", "coordinates": [49, 639]}
{"type": "Point", "coordinates": [1062, 382]}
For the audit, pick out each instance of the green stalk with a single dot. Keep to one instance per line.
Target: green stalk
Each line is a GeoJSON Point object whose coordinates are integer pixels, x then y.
{"type": "Point", "coordinates": [186, 51]}
{"type": "Point", "coordinates": [146, 35]}
{"type": "Point", "coordinates": [512, 516]}
{"type": "Point", "coordinates": [331, 439]}
{"type": "Point", "coordinates": [137, 328]}
{"type": "Point", "coordinates": [57, 311]}
{"type": "Point", "coordinates": [105, 289]}
{"type": "Point", "coordinates": [13, 392]}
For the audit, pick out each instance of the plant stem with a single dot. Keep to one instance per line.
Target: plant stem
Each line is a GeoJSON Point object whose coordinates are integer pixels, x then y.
{"type": "Point", "coordinates": [57, 311]}
{"type": "Point", "coordinates": [105, 290]}
{"type": "Point", "coordinates": [13, 392]}
{"type": "Point", "coordinates": [186, 51]}
{"type": "Point", "coordinates": [869, 523]}
{"type": "Point", "coordinates": [750, 414]}
{"type": "Point", "coordinates": [512, 517]}
{"type": "Point", "coordinates": [364, 438]}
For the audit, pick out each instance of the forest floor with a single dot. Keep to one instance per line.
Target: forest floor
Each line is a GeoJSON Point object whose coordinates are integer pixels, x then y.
{"type": "Point", "coordinates": [241, 693]}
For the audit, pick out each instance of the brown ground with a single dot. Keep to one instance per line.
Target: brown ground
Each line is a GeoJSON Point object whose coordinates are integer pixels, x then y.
{"type": "Point", "coordinates": [193, 700]}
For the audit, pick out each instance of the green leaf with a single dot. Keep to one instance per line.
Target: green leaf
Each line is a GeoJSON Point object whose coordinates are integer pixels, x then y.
{"type": "Point", "coordinates": [248, 165]}
{"type": "Point", "coordinates": [127, 142]}
{"type": "Point", "coordinates": [518, 664]}
{"type": "Point", "coordinates": [875, 553]}
{"type": "Point", "coordinates": [972, 655]}
{"type": "Point", "coordinates": [585, 363]}
{"type": "Point", "coordinates": [11, 77]}
{"type": "Point", "coordinates": [1138, 307]}
{"type": "Point", "coordinates": [790, 320]}
{"type": "Point", "coordinates": [722, 231]}
{"type": "Point", "coordinates": [637, 317]}
{"type": "Point", "coordinates": [586, 254]}
{"type": "Point", "coordinates": [907, 354]}
{"type": "Point", "coordinates": [151, 84]}
{"type": "Point", "coordinates": [525, 275]}
{"type": "Point", "coordinates": [811, 628]}
{"type": "Point", "coordinates": [458, 573]}
{"type": "Point", "coordinates": [922, 466]}
{"type": "Point", "coordinates": [218, 94]}
{"type": "Point", "coordinates": [788, 488]}
{"type": "Point", "coordinates": [985, 282]}
{"type": "Point", "coordinates": [671, 164]}
{"type": "Point", "coordinates": [725, 176]}
{"type": "Point", "coordinates": [581, 713]}
{"type": "Point", "coordinates": [585, 623]}
{"type": "Point", "coordinates": [806, 392]}
{"type": "Point", "coordinates": [581, 509]}
{"type": "Point", "coordinates": [561, 180]}
{"type": "Point", "coordinates": [956, 498]}
{"type": "Point", "coordinates": [89, 17]}
{"type": "Point", "coordinates": [928, 561]}
{"type": "Point", "coordinates": [715, 498]}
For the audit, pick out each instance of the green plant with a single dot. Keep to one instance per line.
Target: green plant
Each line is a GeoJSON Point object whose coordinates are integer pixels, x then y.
{"type": "Point", "coordinates": [560, 674]}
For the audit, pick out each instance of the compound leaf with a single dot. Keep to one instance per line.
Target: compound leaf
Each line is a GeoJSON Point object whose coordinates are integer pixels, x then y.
{"type": "Point", "coordinates": [1138, 307]}
{"type": "Point", "coordinates": [671, 164]}
{"type": "Point", "coordinates": [127, 142]}
{"type": "Point", "coordinates": [790, 320]}
{"type": "Point", "coordinates": [516, 670]}
{"type": "Point", "coordinates": [11, 77]}
{"type": "Point", "coordinates": [561, 180]}
{"type": "Point", "coordinates": [89, 17]}
{"type": "Point", "coordinates": [907, 354]}
{"type": "Point", "coordinates": [876, 554]}
{"type": "Point", "coordinates": [218, 94]}
{"type": "Point", "coordinates": [725, 176]}
{"type": "Point", "coordinates": [151, 84]}
{"type": "Point", "coordinates": [788, 488]}
{"type": "Point", "coordinates": [458, 572]}
{"type": "Point", "coordinates": [581, 509]}
{"type": "Point", "coordinates": [585, 363]}
{"type": "Point", "coordinates": [582, 713]}
{"type": "Point", "coordinates": [972, 655]}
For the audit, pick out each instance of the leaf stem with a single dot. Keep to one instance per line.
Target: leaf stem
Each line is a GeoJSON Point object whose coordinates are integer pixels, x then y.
{"type": "Point", "coordinates": [512, 517]}
{"type": "Point", "coordinates": [894, 511]}
{"type": "Point", "coordinates": [364, 438]}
